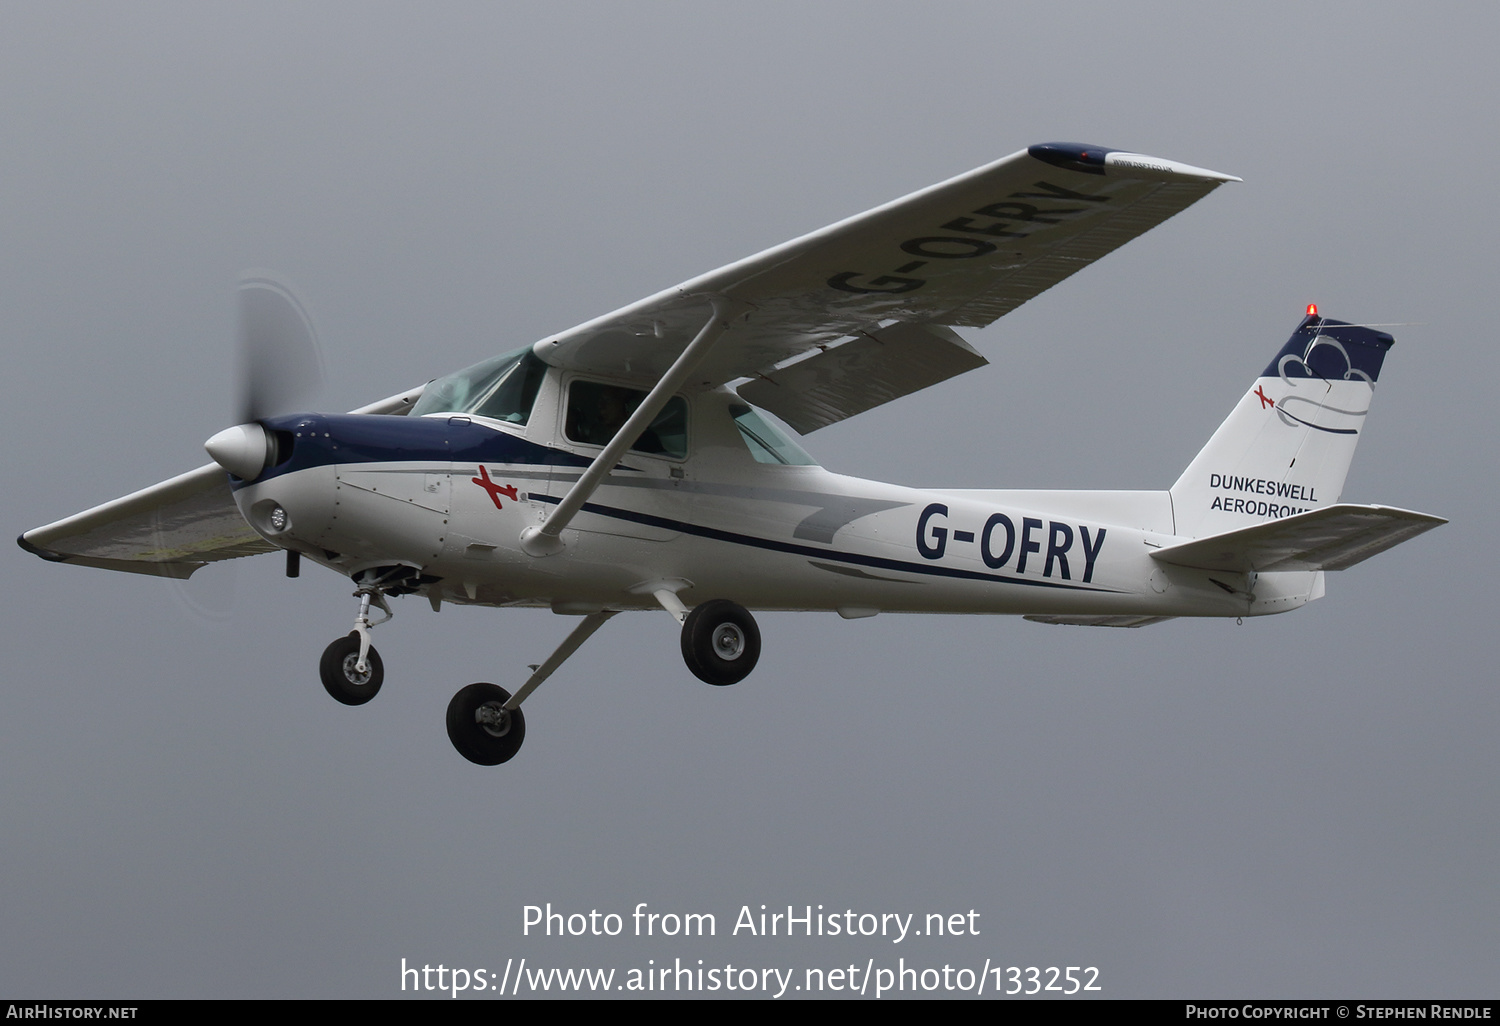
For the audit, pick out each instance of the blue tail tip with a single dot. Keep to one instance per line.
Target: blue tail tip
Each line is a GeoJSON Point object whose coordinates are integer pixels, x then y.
{"type": "Point", "coordinates": [1332, 350]}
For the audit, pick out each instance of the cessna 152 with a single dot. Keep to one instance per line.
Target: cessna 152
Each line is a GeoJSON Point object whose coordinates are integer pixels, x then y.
{"type": "Point", "coordinates": [624, 465]}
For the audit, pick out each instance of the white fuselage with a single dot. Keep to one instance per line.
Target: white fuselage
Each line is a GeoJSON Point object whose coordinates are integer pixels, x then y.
{"type": "Point", "coordinates": [716, 523]}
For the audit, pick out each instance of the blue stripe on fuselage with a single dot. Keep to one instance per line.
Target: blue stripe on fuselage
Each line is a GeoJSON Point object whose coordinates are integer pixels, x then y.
{"type": "Point", "coordinates": [324, 439]}
{"type": "Point", "coordinates": [856, 558]}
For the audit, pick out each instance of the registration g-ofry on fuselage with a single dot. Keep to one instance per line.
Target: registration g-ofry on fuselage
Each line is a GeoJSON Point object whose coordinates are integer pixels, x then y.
{"type": "Point", "coordinates": [625, 464]}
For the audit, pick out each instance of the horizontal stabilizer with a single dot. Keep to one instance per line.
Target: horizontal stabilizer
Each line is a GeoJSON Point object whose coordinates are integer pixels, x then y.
{"type": "Point", "coordinates": [1333, 538]}
{"type": "Point", "coordinates": [1101, 621]}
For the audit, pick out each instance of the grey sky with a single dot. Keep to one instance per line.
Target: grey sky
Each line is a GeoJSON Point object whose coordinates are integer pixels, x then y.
{"type": "Point", "coordinates": [1300, 806]}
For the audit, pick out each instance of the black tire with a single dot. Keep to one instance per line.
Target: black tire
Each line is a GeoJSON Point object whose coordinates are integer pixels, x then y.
{"type": "Point", "coordinates": [720, 642]}
{"type": "Point", "coordinates": [337, 670]}
{"type": "Point", "coordinates": [488, 744]}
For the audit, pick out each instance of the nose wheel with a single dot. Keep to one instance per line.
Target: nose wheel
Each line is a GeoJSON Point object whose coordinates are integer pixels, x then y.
{"type": "Point", "coordinates": [341, 673]}
{"type": "Point", "coordinates": [351, 669]}
{"type": "Point", "coordinates": [720, 642]}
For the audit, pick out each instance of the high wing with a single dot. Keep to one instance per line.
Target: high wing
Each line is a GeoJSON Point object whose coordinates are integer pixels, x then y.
{"type": "Point", "coordinates": [824, 326]}
{"type": "Point", "coordinates": [1333, 538]}
{"type": "Point", "coordinates": [856, 314]}
{"type": "Point", "coordinates": [171, 528]}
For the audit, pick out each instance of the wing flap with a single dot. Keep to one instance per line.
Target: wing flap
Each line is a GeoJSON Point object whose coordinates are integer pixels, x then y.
{"type": "Point", "coordinates": [868, 371]}
{"type": "Point", "coordinates": [1333, 538]}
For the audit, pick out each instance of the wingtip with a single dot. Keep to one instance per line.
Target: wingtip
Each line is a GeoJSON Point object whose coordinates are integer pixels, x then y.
{"type": "Point", "coordinates": [1074, 156]}
{"type": "Point", "coordinates": [37, 550]}
{"type": "Point", "coordinates": [1098, 160]}
{"type": "Point", "coordinates": [1160, 167]}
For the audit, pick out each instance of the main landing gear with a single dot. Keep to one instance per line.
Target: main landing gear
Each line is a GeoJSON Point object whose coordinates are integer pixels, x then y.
{"type": "Point", "coordinates": [485, 722]}
{"type": "Point", "coordinates": [720, 642]}
{"type": "Point", "coordinates": [483, 726]}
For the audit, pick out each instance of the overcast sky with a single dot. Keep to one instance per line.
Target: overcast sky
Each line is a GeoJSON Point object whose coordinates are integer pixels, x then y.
{"type": "Point", "coordinates": [1301, 806]}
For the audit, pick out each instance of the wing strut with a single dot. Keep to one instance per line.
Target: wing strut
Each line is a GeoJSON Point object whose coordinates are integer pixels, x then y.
{"type": "Point", "coordinates": [545, 540]}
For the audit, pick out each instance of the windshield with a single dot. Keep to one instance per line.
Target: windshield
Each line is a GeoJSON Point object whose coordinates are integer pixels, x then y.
{"type": "Point", "coordinates": [503, 388]}
{"type": "Point", "coordinates": [767, 444]}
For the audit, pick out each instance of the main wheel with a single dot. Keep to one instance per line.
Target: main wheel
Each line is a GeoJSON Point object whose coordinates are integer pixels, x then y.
{"type": "Point", "coordinates": [720, 642]}
{"type": "Point", "coordinates": [480, 726]}
{"type": "Point", "coordinates": [342, 680]}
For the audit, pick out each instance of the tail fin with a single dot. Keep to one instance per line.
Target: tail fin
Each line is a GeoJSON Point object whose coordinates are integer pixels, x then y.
{"type": "Point", "coordinates": [1285, 449]}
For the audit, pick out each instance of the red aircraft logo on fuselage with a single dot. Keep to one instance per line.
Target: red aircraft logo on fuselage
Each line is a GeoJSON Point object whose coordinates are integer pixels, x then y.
{"type": "Point", "coordinates": [1265, 400]}
{"type": "Point", "coordinates": [494, 490]}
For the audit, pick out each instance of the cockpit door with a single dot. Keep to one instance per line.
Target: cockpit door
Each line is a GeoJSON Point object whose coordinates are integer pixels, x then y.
{"type": "Point", "coordinates": [645, 480]}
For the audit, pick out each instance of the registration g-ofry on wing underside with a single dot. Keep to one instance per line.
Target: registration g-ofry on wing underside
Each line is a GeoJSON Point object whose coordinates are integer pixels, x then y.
{"type": "Point", "coordinates": [624, 464]}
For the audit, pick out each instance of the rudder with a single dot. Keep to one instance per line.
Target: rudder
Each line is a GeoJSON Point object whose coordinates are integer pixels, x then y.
{"type": "Point", "coordinates": [1286, 447]}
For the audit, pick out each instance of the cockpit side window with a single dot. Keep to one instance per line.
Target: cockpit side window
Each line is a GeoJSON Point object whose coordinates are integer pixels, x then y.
{"type": "Point", "coordinates": [504, 389]}
{"type": "Point", "coordinates": [597, 411]}
{"type": "Point", "coordinates": [766, 443]}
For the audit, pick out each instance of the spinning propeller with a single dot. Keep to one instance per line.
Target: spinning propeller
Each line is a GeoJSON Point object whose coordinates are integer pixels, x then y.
{"type": "Point", "coordinates": [279, 368]}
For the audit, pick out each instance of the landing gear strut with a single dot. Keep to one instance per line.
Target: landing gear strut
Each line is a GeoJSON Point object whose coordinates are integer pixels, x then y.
{"type": "Point", "coordinates": [485, 722]}
{"type": "Point", "coordinates": [720, 642]}
{"type": "Point", "coordinates": [351, 669]}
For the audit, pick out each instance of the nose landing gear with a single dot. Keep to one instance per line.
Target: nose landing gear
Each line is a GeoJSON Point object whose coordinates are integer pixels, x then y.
{"type": "Point", "coordinates": [351, 669]}
{"type": "Point", "coordinates": [342, 677]}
